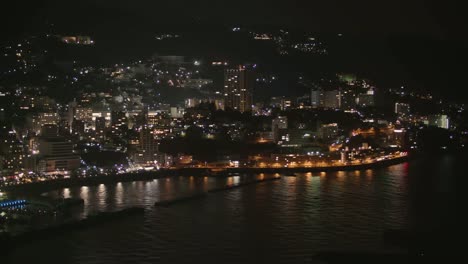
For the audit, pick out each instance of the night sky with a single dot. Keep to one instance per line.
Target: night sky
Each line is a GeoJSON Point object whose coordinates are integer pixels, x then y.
{"type": "Point", "coordinates": [432, 18]}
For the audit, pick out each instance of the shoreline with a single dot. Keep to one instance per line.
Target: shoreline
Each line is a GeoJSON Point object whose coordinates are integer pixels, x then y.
{"type": "Point", "coordinates": [197, 172]}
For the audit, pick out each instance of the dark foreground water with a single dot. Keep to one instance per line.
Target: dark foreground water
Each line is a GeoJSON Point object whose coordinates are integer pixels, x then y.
{"type": "Point", "coordinates": [284, 221]}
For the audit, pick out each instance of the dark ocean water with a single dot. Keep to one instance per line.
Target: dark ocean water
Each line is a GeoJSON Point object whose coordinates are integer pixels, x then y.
{"type": "Point", "coordinates": [283, 221]}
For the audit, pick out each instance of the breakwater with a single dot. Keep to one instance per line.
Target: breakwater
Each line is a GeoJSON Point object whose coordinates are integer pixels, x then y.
{"type": "Point", "coordinates": [234, 186]}
{"type": "Point", "coordinates": [215, 190]}
{"type": "Point", "coordinates": [181, 199]}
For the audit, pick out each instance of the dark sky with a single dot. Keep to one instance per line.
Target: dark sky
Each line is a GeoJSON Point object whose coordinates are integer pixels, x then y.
{"type": "Point", "coordinates": [435, 18]}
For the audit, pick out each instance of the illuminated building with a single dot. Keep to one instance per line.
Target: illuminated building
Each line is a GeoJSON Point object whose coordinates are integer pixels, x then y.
{"type": "Point", "coordinates": [366, 99]}
{"type": "Point", "coordinates": [164, 108]}
{"type": "Point", "coordinates": [281, 122]}
{"type": "Point", "coordinates": [265, 137]}
{"type": "Point", "coordinates": [43, 103]}
{"type": "Point", "coordinates": [193, 102]}
{"type": "Point", "coordinates": [262, 36]}
{"type": "Point", "coordinates": [397, 138]}
{"type": "Point", "coordinates": [196, 83]}
{"type": "Point", "coordinates": [153, 117]}
{"type": "Point", "coordinates": [85, 114]}
{"type": "Point", "coordinates": [238, 87]}
{"type": "Point", "coordinates": [219, 104]}
{"type": "Point", "coordinates": [106, 114]}
{"type": "Point", "coordinates": [441, 121]}
{"type": "Point", "coordinates": [348, 99]}
{"type": "Point", "coordinates": [56, 153]}
{"type": "Point", "coordinates": [328, 131]}
{"type": "Point", "coordinates": [118, 119]}
{"type": "Point", "coordinates": [332, 99]}
{"type": "Point", "coordinates": [402, 109]}
{"type": "Point", "coordinates": [177, 112]}
{"type": "Point", "coordinates": [295, 138]}
{"type": "Point", "coordinates": [327, 99]}
{"type": "Point", "coordinates": [343, 156]}
{"type": "Point", "coordinates": [148, 146]}
{"type": "Point", "coordinates": [40, 119]}
{"type": "Point", "coordinates": [79, 40]}
{"type": "Point", "coordinates": [281, 102]}
{"type": "Point", "coordinates": [316, 98]}
{"type": "Point", "coordinates": [12, 154]}
{"type": "Point", "coordinates": [219, 63]}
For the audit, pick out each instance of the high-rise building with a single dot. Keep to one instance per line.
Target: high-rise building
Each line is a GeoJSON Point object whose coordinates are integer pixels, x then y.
{"type": "Point", "coordinates": [316, 98]}
{"type": "Point", "coordinates": [12, 153]}
{"type": "Point", "coordinates": [332, 99]}
{"type": "Point", "coordinates": [56, 153]}
{"type": "Point", "coordinates": [238, 88]}
{"type": "Point", "coordinates": [148, 146]}
{"type": "Point", "coordinates": [402, 109]}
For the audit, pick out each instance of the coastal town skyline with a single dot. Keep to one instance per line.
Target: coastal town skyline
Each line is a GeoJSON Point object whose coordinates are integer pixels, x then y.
{"type": "Point", "coordinates": [260, 130]}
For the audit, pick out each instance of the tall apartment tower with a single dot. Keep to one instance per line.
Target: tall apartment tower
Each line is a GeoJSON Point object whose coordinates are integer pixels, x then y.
{"type": "Point", "coordinates": [148, 145]}
{"type": "Point", "coordinates": [238, 87]}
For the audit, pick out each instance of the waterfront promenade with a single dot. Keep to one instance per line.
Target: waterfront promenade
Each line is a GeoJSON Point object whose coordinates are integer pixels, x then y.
{"type": "Point", "coordinates": [42, 186]}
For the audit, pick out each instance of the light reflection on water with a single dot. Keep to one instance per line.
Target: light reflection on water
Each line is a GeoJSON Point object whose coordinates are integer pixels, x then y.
{"type": "Point", "coordinates": [66, 193]}
{"type": "Point", "coordinates": [102, 196]}
{"type": "Point", "coordinates": [278, 221]}
{"type": "Point", "coordinates": [84, 193]}
{"type": "Point", "coordinates": [119, 195]}
{"type": "Point", "coordinates": [236, 179]}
